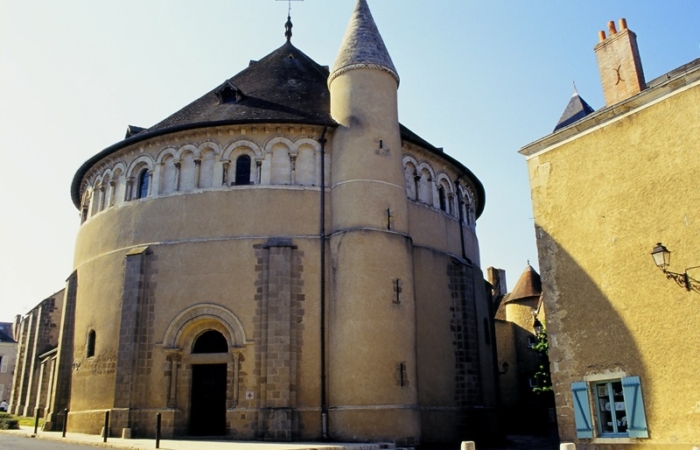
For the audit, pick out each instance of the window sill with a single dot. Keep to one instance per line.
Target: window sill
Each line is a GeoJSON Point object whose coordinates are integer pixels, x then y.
{"type": "Point", "coordinates": [613, 440]}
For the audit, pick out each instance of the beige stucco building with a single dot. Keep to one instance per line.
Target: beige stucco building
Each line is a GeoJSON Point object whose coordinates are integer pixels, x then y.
{"type": "Point", "coordinates": [8, 351]}
{"type": "Point", "coordinates": [608, 185]}
{"type": "Point", "coordinates": [281, 259]}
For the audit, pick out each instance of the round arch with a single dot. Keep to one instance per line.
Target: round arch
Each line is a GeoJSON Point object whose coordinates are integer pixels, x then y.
{"type": "Point", "coordinates": [198, 318]}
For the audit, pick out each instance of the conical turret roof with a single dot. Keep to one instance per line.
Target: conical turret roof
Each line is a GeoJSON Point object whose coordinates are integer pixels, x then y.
{"type": "Point", "coordinates": [363, 46]}
{"type": "Point", "coordinates": [529, 285]}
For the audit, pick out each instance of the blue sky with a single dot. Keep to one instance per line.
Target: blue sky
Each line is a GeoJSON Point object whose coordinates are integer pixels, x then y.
{"type": "Point", "coordinates": [479, 78]}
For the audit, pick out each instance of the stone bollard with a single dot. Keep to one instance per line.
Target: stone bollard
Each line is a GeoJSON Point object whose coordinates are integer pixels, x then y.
{"type": "Point", "coordinates": [567, 446]}
{"type": "Point", "coordinates": [468, 445]}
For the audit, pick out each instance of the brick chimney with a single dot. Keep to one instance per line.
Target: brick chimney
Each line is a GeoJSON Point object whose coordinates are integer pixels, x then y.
{"type": "Point", "coordinates": [619, 63]}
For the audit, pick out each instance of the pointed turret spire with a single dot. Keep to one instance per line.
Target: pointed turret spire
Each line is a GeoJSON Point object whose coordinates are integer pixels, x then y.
{"type": "Point", "coordinates": [363, 46]}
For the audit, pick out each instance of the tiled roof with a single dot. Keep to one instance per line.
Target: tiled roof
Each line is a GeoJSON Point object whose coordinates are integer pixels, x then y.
{"type": "Point", "coordinates": [529, 285]}
{"type": "Point", "coordinates": [285, 85]}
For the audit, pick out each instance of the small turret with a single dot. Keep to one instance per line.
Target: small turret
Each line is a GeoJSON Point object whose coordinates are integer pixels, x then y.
{"type": "Point", "coordinates": [367, 145]}
{"type": "Point", "coordinates": [363, 46]}
{"type": "Point", "coordinates": [369, 243]}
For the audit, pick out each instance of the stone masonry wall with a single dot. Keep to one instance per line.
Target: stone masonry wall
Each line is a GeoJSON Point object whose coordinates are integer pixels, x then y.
{"type": "Point", "coordinates": [464, 329]}
{"type": "Point", "coordinates": [278, 333]}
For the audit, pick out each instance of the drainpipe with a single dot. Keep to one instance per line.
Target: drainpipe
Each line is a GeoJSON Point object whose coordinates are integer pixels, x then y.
{"type": "Point", "coordinates": [322, 235]}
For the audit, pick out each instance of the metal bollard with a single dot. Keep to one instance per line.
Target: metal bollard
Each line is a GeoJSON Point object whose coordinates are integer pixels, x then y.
{"type": "Point", "coordinates": [158, 430]}
{"type": "Point", "coordinates": [106, 428]}
{"type": "Point", "coordinates": [65, 422]}
{"type": "Point", "coordinates": [36, 419]}
{"type": "Point", "coordinates": [567, 446]}
{"type": "Point", "coordinates": [468, 445]}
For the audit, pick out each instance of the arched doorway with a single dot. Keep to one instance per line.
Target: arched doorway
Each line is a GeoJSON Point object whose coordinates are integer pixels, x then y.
{"type": "Point", "coordinates": [208, 392]}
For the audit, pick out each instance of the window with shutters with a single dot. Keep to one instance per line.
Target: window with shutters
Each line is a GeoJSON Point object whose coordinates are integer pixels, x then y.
{"type": "Point", "coordinates": [618, 408]}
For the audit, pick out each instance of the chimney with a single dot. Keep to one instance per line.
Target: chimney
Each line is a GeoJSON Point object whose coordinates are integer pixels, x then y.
{"type": "Point", "coordinates": [497, 278]}
{"type": "Point", "coordinates": [619, 63]}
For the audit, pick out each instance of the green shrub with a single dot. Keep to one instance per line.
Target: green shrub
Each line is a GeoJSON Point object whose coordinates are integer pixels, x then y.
{"type": "Point", "coordinates": [8, 422]}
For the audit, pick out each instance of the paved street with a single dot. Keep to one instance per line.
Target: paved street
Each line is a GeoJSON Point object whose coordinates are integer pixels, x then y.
{"type": "Point", "coordinates": [11, 440]}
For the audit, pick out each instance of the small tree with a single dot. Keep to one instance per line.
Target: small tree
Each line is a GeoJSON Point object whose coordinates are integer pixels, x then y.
{"type": "Point", "coordinates": [542, 375]}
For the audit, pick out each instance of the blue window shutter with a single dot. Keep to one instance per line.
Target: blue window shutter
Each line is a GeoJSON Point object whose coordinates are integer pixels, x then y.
{"type": "Point", "coordinates": [582, 410]}
{"type": "Point", "coordinates": [634, 405]}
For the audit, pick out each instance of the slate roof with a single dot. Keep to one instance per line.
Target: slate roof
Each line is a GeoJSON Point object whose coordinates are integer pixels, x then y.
{"type": "Point", "coordinates": [529, 285]}
{"type": "Point", "coordinates": [284, 86]}
{"type": "Point", "coordinates": [576, 110]}
{"type": "Point", "coordinates": [362, 45]}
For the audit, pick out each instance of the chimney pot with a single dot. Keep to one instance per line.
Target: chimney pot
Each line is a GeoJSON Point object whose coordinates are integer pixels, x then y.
{"type": "Point", "coordinates": [619, 64]}
{"type": "Point", "coordinates": [601, 36]}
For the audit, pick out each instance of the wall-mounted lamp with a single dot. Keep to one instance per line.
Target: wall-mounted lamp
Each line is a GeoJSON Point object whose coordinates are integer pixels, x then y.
{"type": "Point", "coordinates": [538, 327]}
{"type": "Point", "coordinates": [662, 259]}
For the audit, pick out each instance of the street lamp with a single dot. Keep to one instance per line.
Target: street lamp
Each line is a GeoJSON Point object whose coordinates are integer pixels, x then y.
{"type": "Point", "coordinates": [662, 258]}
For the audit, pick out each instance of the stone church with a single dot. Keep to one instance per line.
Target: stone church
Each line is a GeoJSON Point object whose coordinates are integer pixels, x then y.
{"type": "Point", "coordinates": [281, 259]}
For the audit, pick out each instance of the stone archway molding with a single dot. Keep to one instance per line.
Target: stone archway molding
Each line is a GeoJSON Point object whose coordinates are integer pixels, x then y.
{"type": "Point", "coordinates": [200, 312]}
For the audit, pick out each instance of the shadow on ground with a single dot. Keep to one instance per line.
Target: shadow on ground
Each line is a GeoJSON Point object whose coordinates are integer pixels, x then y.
{"type": "Point", "coordinates": [511, 442]}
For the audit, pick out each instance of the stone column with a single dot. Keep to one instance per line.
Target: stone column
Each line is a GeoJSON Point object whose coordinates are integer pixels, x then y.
{"type": "Point", "coordinates": [233, 401]}
{"type": "Point", "coordinates": [112, 192]}
{"type": "Point", "coordinates": [178, 165]}
{"type": "Point", "coordinates": [293, 160]}
{"type": "Point", "coordinates": [416, 181]}
{"type": "Point", "coordinates": [128, 195]}
{"type": "Point", "coordinates": [150, 183]}
{"type": "Point", "coordinates": [197, 171]}
{"type": "Point", "coordinates": [258, 169]}
{"type": "Point", "coordinates": [224, 177]}
{"type": "Point", "coordinates": [174, 358]}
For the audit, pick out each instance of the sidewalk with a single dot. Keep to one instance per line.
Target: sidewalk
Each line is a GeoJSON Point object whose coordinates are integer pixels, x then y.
{"type": "Point", "coordinates": [169, 444]}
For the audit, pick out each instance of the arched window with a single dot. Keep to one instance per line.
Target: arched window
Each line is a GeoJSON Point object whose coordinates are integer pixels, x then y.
{"type": "Point", "coordinates": [242, 170]}
{"type": "Point", "coordinates": [90, 352]}
{"type": "Point", "coordinates": [210, 342]}
{"type": "Point", "coordinates": [144, 179]}
{"type": "Point", "coordinates": [443, 200]}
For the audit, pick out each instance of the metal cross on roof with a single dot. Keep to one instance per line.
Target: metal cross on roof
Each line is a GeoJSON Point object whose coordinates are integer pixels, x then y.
{"type": "Point", "coordinates": [288, 26]}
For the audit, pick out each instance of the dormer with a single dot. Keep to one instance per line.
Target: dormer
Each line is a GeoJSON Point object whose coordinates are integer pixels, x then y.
{"type": "Point", "coordinates": [229, 93]}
